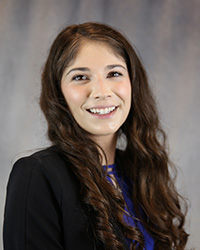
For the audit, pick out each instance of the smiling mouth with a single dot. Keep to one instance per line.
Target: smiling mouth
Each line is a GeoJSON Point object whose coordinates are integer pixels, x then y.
{"type": "Point", "coordinates": [102, 111]}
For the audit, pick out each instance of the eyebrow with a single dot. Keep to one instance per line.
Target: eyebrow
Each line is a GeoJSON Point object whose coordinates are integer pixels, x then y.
{"type": "Point", "coordinates": [87, 69]}
{"type": "Point", "coordinates": [80, 69]}
{"type": "Point", "coordinates": [114, 66]}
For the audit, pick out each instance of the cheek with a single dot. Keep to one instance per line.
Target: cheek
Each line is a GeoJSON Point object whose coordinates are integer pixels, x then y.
{"type": "Point", "coordinates": [72, 96]}
{"type": "Point", "coordinates": [124, 92]}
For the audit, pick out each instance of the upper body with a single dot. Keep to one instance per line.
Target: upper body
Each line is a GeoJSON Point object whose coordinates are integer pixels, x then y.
{"type": "Point", "coordinates": [95, 93]}
{"type": "Point", "coordinates": [43, 207]}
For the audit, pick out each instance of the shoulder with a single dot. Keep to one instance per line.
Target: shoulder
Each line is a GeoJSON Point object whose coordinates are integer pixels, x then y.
{"type": "Point", "coordinates": [48, 156]}
{"type": "Point", "coordinates": [45, 168]}
{"type": "Point", "coordinates": [47, 160]}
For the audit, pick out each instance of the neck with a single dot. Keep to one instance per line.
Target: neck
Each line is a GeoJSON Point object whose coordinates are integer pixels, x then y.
{"type": "Point", "coordinates": [108, 144]}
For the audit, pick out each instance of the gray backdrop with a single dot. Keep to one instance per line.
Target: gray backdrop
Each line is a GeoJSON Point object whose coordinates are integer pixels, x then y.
{"type": "Point", "coordinates": [167, 35]}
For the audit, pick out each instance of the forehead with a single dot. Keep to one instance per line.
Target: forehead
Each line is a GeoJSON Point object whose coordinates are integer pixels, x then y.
{"type": "Point", "coordinates": [96, 51]}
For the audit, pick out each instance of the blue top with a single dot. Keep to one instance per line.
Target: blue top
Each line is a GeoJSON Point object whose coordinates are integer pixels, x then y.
{"type": "Point", "coordinates": [148, 240]}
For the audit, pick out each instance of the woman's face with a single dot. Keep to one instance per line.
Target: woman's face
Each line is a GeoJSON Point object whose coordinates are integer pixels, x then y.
{"type": "Point", "coordinates": [97, 89]}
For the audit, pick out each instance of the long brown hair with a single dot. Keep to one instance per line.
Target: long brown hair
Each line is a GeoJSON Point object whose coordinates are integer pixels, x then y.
{"type": "Point", "coordinates": [144, 158]}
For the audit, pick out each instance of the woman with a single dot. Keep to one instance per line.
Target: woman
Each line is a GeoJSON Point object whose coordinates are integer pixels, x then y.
{"type": "Point", "coordinates": [83, 193]}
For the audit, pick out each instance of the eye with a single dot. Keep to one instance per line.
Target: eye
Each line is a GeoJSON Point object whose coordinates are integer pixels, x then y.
{"type": "Point", "coordinates": [114, 74]}
{"type": "Point", "coordinates": [79, 78]}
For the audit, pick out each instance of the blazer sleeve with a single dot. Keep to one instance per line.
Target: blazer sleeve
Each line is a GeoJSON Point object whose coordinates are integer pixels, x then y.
{"type": "Point", "coordinates": [32, 218]}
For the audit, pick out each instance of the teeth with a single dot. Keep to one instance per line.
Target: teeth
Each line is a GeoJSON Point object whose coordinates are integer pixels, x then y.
{"type": "Point", "coordinates": [102, 111]}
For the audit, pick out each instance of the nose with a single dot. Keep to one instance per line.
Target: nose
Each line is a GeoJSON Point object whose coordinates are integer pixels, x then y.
{"type": "Point", "coordinates": [100, 89]}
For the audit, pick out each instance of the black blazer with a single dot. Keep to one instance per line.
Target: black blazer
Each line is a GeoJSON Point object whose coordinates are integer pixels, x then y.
{"type": "Point", "coordinates": [43, 207]}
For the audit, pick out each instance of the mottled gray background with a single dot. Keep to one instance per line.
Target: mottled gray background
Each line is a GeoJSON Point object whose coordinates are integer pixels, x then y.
{"type": "Point", "coordinates": [167, 35]}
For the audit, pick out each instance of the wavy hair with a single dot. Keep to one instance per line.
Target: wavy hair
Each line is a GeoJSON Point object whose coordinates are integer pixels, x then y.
{"type": "Point", "coordinates": [144, 158]}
